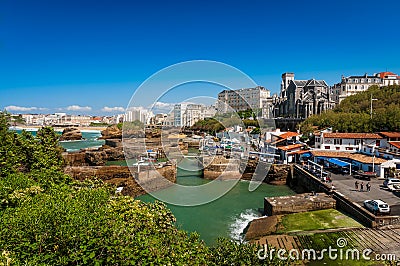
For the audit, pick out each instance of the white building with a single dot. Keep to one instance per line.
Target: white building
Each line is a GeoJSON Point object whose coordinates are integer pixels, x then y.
{"type": "Point", "coordinates": [178, 114]}
{"type": "Point", "coordinates": [389, 78]}
{"type": "Point", "coordinates": [257, 99]}
{"type": "Point", "coordinates": [354, 84]}
{"type": "Point", "coordinates": [346, 141]}
{"type": "Point", "coordinates": [137, 114]}
{"type": "Point", "coordinates": [196, 112]}
{"type": "Point", "coordinates": [28, 118]}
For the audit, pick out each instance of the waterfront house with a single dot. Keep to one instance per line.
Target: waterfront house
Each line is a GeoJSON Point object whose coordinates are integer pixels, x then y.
{"type": "Point", "coordinates": [346, 141]}
{"type": "Point", "coordinates": [356, 161]}
{"type": "Point", "coordinates": [389, 147]}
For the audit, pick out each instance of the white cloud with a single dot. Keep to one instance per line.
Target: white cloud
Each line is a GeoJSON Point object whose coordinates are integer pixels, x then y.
{"type": "Point", "coordinates": [24, 109]}
{"type": "Point", "coordinates": [79, 108]}
{"type": "Point", "coordinates": [113, 109]}
{"type": "Point", "coordinates": [161, 107]}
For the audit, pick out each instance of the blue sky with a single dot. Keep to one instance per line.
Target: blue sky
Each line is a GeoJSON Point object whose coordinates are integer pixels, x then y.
{"type": "Point", "coordinates": [58, 54]}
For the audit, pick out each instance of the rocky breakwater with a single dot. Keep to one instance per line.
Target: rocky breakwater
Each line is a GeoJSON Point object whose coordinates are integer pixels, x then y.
{"type": "Point", "coordinates": [71, 133]}
{"type": "Point", "coordinates": [121, 176]}
{"type": "Point", "coordinates": [112, 150]}
{"type": "Point", "coordinates": [274, 174]}
{"type": "Point", "coordinates": [111, 132]}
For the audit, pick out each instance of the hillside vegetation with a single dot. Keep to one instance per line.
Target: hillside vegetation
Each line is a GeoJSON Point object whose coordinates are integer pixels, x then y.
{"type": "Point", "coordinates": [353, 113]}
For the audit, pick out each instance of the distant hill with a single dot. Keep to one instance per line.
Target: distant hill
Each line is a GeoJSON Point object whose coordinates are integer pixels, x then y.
{"type": "Point", "coordinates": [353, 113]}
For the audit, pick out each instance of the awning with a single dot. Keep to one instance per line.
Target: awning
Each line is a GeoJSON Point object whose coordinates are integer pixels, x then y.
{"type": "Point", "coordinates": [307, 154]}
{"type": "Point", "coordinates": [338, 162]}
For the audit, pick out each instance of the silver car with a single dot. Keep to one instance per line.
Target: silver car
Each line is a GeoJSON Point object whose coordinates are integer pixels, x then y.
{"type": "Point", "coordinates": [377, 206]}
{"type": "Point", "coordinates": [391, 181]}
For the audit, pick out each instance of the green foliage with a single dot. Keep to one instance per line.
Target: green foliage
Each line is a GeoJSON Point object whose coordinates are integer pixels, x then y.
{"type": "Point", "coordinates": [98, 124]}
{"type": "Point", "coordinates": [221, 122]}
{"type": "Point", "coordinates": [256, 131]}
{"type": "Point", "coordinates": [134, 125]}
{"type": "Point", "coordinates": [227, 252]}
{"type": "Point", "coordinates": [249, 113]}
{"type": "Point", "coordinates": [353, 113]}
{"type": "Point", "coordinates": [210, 125]}
{"type": "Point", "coordinates": [25, 153]}
{"type": "Point", "coordinates": [86, 226]}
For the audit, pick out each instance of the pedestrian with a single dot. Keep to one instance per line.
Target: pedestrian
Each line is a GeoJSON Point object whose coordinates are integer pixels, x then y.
{"type": "Point", "coordinates": [368, 187]}
{"type": "Point", "coordinates": [362, 186]}
{"type": "Point", "coordinates": [356, 184]}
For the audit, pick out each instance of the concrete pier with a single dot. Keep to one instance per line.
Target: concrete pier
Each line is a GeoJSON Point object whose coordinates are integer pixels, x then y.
{"type": "Point", "coordinates": [298, 203]}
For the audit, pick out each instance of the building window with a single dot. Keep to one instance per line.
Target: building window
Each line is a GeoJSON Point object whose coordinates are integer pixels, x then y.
{"type": "Point", "coordinates": [349, 148]}
{"type": "Point", "coordinates": [337, 141]}
{"type": "Point", "coordinates": [357, 141]}
{"type": "Point", "coordinates": [337, 148]}
{"type": "Point", "coordinates": [327, 147]}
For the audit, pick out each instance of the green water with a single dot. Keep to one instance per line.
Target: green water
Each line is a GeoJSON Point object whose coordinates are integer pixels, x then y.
{"type": "Point", "coordinates": [224, 217]}
{"type": "Point", "coordinates": [90, 140]}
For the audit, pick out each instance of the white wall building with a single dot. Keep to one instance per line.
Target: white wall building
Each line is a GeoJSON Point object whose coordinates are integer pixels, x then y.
{"type": "Point", "coordinates": [354, 84]}
{"type": "Point", "coordinates": [258, 98]}
{"type": "Point", "coordinates": [137, 114]}
{"type": "Point", "coordinates": [196, 112]}
{"type": "Point", "coordinates": [346, 141]}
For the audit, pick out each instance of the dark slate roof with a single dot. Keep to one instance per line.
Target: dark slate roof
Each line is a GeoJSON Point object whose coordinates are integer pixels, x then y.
{"type": "Point", "coordinates": [300, 83]}
{"type": "Point", "coordinates": [313, 82]}
{"type": "Point", "coordinates": [310, 82]}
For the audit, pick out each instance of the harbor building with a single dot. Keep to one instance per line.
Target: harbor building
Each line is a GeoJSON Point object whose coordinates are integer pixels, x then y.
{"type": "Point", "coordinates": [257, 99]}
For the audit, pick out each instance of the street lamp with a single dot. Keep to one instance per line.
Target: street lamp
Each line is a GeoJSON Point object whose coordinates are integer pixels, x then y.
{"type": "Point", "coordinates": [371, 105]}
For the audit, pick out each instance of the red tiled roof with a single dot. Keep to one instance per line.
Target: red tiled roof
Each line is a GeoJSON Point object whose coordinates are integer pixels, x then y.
{"type": "Point", "coordinates": [290, 147]}
{"type": "Point", "coordinates": [352, 135]}
{"type": "Point", "coordinates": [384, 74]}
{"type": "Point", "coordinates": [349, 155]}
{"type": "Point", "coordinates": [299, 152]}
{"type": "Point", "coordinates": [395, 143]}
{"type": "Point", "coordinates": [288, 135]}
{"type": "Point", "coordinates": [390, 134]}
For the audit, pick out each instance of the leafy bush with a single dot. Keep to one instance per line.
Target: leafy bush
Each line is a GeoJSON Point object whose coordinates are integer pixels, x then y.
{"type": "Point", "coordinates": [353, 113]}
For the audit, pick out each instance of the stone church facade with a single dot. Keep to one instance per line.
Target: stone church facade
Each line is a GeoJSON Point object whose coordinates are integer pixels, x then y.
{"type": "Point", "coordinates": [302, 98]}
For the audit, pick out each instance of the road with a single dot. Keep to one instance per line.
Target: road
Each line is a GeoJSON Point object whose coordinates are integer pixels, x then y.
{"type": "Point", "coordinates": [345, 184]}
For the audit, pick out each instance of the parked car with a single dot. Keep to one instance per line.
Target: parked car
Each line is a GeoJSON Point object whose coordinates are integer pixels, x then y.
{"type": "Point", "coordinates": [377, 206]}
{"type": "Point", "coordinates": [394, 188]}
{"type": "Point", "coordinates": [391, 181]}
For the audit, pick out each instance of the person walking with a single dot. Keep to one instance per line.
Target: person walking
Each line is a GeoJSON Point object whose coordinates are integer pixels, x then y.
{"type": "Point", "coordinates": [356, 184]}
{"type": "Point", "coordinates": [368, 187]}
{"type": "Point", "coordinates": [362, 186]}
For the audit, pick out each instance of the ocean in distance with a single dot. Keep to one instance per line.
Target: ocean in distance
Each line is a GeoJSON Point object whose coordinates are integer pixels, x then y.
{"type": "Point", "coordinates": [90, 139]}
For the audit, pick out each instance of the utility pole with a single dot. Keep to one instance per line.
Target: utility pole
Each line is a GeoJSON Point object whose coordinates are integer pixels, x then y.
{"type": "Point", "coordinates": [371, 105]}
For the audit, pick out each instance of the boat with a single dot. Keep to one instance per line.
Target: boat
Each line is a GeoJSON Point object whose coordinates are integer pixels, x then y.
{"type": "Point", "coordinates": [364, 175]}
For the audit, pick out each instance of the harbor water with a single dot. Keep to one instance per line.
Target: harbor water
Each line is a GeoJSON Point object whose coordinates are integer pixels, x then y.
{"type": "Point", "coordinates": [227, 216]}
